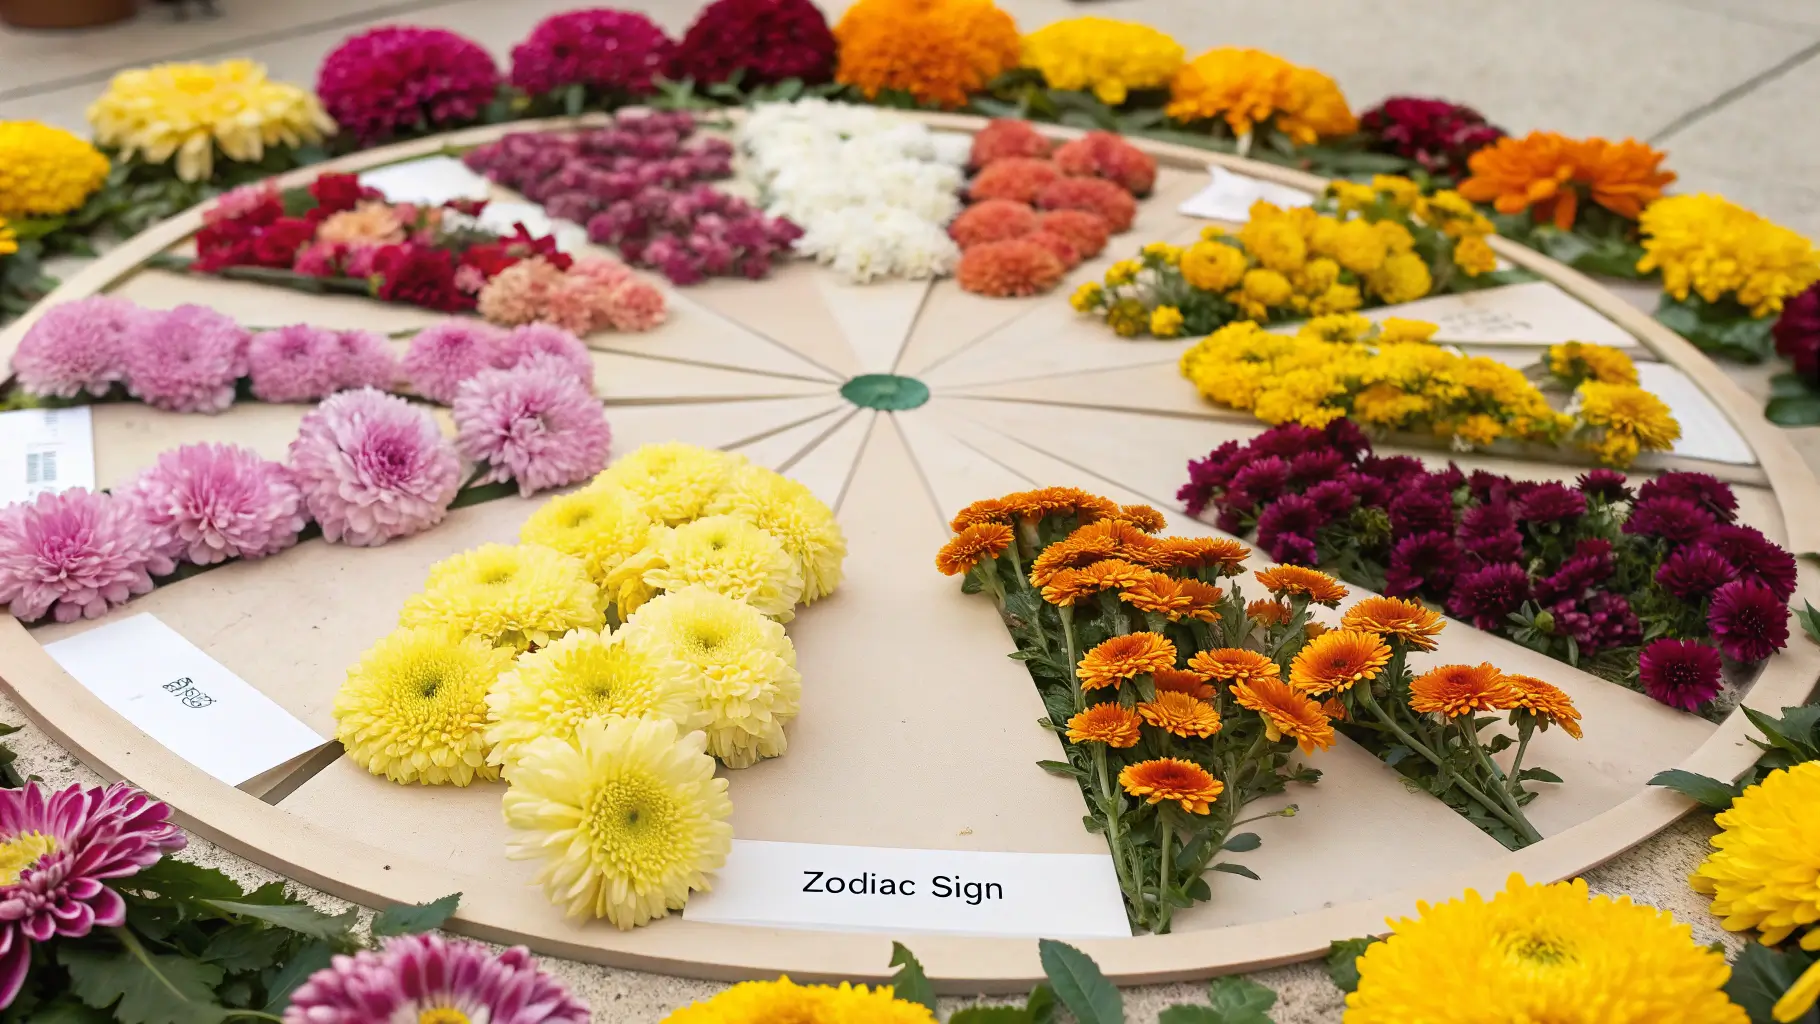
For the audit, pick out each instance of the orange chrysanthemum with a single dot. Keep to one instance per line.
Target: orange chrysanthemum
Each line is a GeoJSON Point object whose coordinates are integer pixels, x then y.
{"type": "Point", "coordinates": [1337, 659]}
{"type": "Point", "coordinates": [1234, 665]}
{"type": "Point", "coordinates": [1334, 709]}
{"type": "Point", "coordinates": [1249, 87]}
{"type": "Point", "coordinates": [1455, 690]}
{"type": "Point", "coordinates": [1181, 715]}
{"type": "Point", "coordinates": [1170, 778]}
{"type": "Point", "coordinates": [1286, 713]}
{"type": "Point", "coordinates": [1072, 552]}
{"type": "Point", "coordinates": [1110, 723]}
{"type": "Point", "coordinates": [1284, 580]}
{"type": "Point", "coordinates": [1220, 553]}
{"type": "Point", "coordinates": [1143, 517]}
{"type": "Point", "coordinates": [1547, 701]}
{"type": "Point", "coordinates": [1070, 585]}
{"type": "Point", "coordinates": [938, 51]}
{"type": "Point", "coordinates": [1174, 599]}
{"type": "Point", "coordinates": [985, 510]}
{"type": "Point", "coordinates": [1125, 657]}
{"type": "Point", "coordinates": [1050, 501]}
{"type": "Point", "coordinates": [1548, 174]}
{"type": "Point", "coordinates": [1267, 611]}
{"type": "Point", "coordinates": [1175, 680]}
{"type": "Point", "coordinates": [1396, 618]}
{"type": "Point", "coordinates": [972, 546]}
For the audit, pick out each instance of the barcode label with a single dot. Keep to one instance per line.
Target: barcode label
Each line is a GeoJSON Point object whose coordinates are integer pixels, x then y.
{"type": "Point", "coordinates": [40, 467]}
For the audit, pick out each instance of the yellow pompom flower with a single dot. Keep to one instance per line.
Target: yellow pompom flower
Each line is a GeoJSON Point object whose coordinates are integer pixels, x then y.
{"type": "Point", "coordinates": [1246, 88]}
{"type": "Point", "coordinates": [600, 525]}
{"type": "Point", "coordinates": [1630, 419]}
{"type": "Point", "coordinates": [730, 556]}
{"type": "Point", "coordinates": [1404, 277]}
{"type": "Point", "coordinates": [1575, 361]}
{"type": "Point", "coordinates": [788, 510]}
{"type": "Point", "coordinates": [775, 1002]}
{"type": "Point", "coordinates": [191, 110]}
{"type": "Point", "coordinates": [586, 674]}
{"type": "Point", "coordinates": [516, 596]}
{"type": "Point", "coordinates": [1127, 318]}
{"type": "Point", "coordinates": [1088, 297]}
{"type": "Point", "coordinates": [938, 51]}
{"type": "Point", "coordinates": [627, 818]}
{"type": "Point", "coordinates": [9, 242]}
{"type": "Point", "coordinates": [1213, 266]}
{"type": "Point", "coordinates": [1122, 273]}
{"type": "Point", "coordinates": [1474, 256]}
{"type": "Point", "coordinates": [1550, 953]}
{"type": "Point", "coordinates": [45, 171]}
{"type": "Point", "coordinates": [740, 664]}
{"type": "Point", "coordinates": [1765, 872]}
{"type": "Point", "coordinates": [1165, 321]}
{"type": "Point", "coordinates": [1707, 246]}
{"type": "Point", "coordinates": [1112, 58]}
{"type": "Point", "coordinates": [414, 708]}
{"type": "Point", "coordinates": [672, 481]}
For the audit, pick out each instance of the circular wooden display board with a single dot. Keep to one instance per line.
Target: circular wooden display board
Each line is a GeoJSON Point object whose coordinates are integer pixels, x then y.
{"type": "Point", "coordinates": [917, 730]}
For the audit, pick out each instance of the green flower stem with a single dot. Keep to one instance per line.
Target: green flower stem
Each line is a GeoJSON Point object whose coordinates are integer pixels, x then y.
{"type": "Point", "coordinates": [1492, 774]}
{"type": "Point", "coordinates": [1066, 613]}
{"type": "Point", "coordinates": [1496, 808]}
{"type": "Point", "coordinates": [1525, 729]}
{"type": "Point", "coordinates": [1163, 907]}
{"type": "Point", "coordinates": [1115, 825]}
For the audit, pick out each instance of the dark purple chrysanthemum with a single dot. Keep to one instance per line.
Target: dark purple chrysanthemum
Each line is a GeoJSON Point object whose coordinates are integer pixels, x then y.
{"type": "Point", "coordinates": [1756, 557]}
{"type": "Point", "coordinates": [1393, 468]}
{"type": "Point", "coordinates": [1606, 484]}
{"type": "Point", "coordinates": [1748, 621]}
{"type": "Point", "coordinates": [1676, 520]}
{"type": "Point", "coordinates": [1551, 503]}
{"type": "Point", "coordinates": [1346, 438]}
{"type": "Point", "coordinates": [1486, 596]}
{"type": "Point", "coordinates": [1706, 491]}
{"type": "Point", "coordinates": [1333, 497]}
{"type": "Point", "coordinates": [1694, 572]}
{"type": "Point", "coordinates": [1261, 481]}
{"type": "Point", "coordinates": [1575, 577]}
{"type": "Point", "coordinates": [1291, 549]}
{"type": "Point", "coordinates": [1600, 623]}
{"type": "Point", "coordinates": [1489, 533]}
{"type": "Point", "coordinates": [1680, 673]}
{"type": "Point", "coordinates": [1425, 562]}
{"type": "Point", "coordinates": [1286, 441]}
{"type": "Point", "coordinates": [1797, 334]}
{"type": "Point", "coordinates": [1420, 510]}
{"type": "Point", "coordinates": [1310, 468]}
{"type": "Point", "coordinates": [1488, 488]}
{"type": "Point", "coordinates": [1206, 476]}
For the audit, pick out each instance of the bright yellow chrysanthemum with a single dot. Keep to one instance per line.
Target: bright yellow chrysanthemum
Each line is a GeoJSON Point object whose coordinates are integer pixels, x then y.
{"type": "Point", "coordinates": [785, 1002]}
{"type": "Point", "coordinates": [1575, 361]}
{"type": "Point", "coordinates": [585, 675]}
{"type": "Point", "coordinates": [728, 555]}
{"type": "Point", "coordinates": [517, 596]}
{"type": "Point", "coordinates": [9, 242]}
{"type": "Point", "coordinates": [1765, 873]}
{"type": "Point", "coordinates": [45, 171]}
{"type": "Point", "coordinates": [1715, 249]}
{"type": "Point", "coordinates": [1112, 58]}
{"type": "Point", "coordinates": [414, 708]}
{"type": "Point", "coordinates": [672, 482]}
{"type": "Point", "coordinates": [1246, 88]}
{"type": "Point", "coordinates": [1538, 953]}
{"type": "Point", "coordinates": [937, 51]}
{"type": "Point", "coordinates": [740, 664]}
{"type": "Point", "coordinates": [628, 818]}
{"type": "Point", "coordinates": [1625, 420]}
{"type": "Point", "coordinates": [789, 511]}
{"type": "Point", "coordinates": [600, 525]}
{"type": "Point", "coordinates": [190, 110]}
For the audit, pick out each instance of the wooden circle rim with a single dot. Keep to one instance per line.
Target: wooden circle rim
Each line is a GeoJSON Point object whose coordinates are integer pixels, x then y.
{"type": "Point", "coordinates": [330, 861]}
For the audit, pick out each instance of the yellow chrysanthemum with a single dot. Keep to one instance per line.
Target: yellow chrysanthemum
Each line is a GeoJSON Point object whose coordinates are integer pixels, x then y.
{"type": "Point", "coordinates": [628, 818]}
{"type": "Point", "coordinates": [1475, 256]}
{"type": "Point", "coordinates": [600, 525]}
{"type": "Point", "coordinates": [45, 171]}
{"type": "Point", "coordinates": [789, 511]}
{"type": "Point", "coordinates": [1541, 953]}
{"type": "Point", "coordinates": [1707, 246]}
{"type": "Point", "coordinates": [585, 675]}
{"type": "Point", "coordinates": [730, 556]}
{"type": "Point", "coordinates": [1404, 277]}
{"type": "Point", "coordinates": [1088, 297]}
{"type": "Point", "coordinates": [1112, 58]}
{"type": "Point", "coordinates": [1165, 321]}
{"type": "Point", "coordinates": [937, 51]}
{"type": "Point", "coordinates": [785, 1002]}
{"type": "Point", "coordinates": [1575, 361]}
{"type": "Point", "coordinates": [1765, 873]}
{"type": "Point", "coordinates": [1625, 420]}
{"type": "Point", "coordinates": [740, 664]}
{"type": "Point", "coordinates": [414, 708]}
{"type": "Point", "coordinates": [190, 110]}
{"type": "Point", "coordinates": [673, 482]}
{"type": "Point", "coordinates": [1213, 266]}
{"type": "Point", "coordinates": [9, 242]}
{"type": "Point", "coordinates": [517, 596]}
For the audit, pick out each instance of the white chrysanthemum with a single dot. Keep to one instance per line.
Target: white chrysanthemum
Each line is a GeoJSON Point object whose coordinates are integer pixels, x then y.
{"type": "Point", "coordinates": [789, 511]}
{"type": "Point", "coordinates": [627, 818]}
{"type": "Point", "coordinates": [602, 525]}
{"type": "Point", "coordinates": [518, 596]}
{"type": "Point", "coordinates": [672, 481]}
{"type": "Point", "coordinates": [742, 665]}
{"type": "Point", "coordinates": [728, 555]}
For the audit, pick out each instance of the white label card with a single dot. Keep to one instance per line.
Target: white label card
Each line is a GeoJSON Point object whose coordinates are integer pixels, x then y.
{"type": "Point", "coordinates": [1705, 432]}
{"type": "Point", "coordinates": [1229, 196]}
{"type": "Point", "coordinates": [1530, 313]}
{"type": "Point", "coordinates": [881, 889]}
{"type": "Point", "coordinates": [433, 181]}
{"type": "Point", "coordinates": [184, 699]}
{"type": "Point", "coordinates": [45, 450]}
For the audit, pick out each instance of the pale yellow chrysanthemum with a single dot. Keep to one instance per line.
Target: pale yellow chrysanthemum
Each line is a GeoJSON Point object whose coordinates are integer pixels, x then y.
{"type": "Point", "coordinates": [188, 110]}
{"type": "Point", "coordinates": [601, 525]}
{"type": "Point", "coordinates": [673, 482]}
{"type": "Point", "coordinates": [517, 596]}
{"type": "Point", "coordinates": [730, 556]}
{"type": "Point", "coordinates": [628, 818]}
{"type": "Point", "coordinates": [789, 511]}
{"type": "Point", "coordinates": [586, 674]}
{"type": "Point", "coordinates": [414, 708]}
{"type": "Point", "coordinates": [741, 664]}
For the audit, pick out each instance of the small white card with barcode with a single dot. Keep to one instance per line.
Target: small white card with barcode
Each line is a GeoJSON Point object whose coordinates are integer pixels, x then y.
{"type": "Point", "coordinates": [45, 450]}
{"type": "Point", "coordinates": [1229, 196]}
{"type": "Point", "coordinates": [187, 701]}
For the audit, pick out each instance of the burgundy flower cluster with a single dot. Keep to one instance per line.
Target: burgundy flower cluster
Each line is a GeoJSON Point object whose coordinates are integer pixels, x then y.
{"type": "Point", "coordinates": [768, 40]}
{"type": "Point", "coordinates": [637, 185]}
{"type": "Point", "coordinates": [613, 54]}
{"type": "Point", "coordinates": [1439, 136]}
{"type": "Point", "coordinates": [401, 79]}
{"type": "Point", "coordinates": [1574, 570]}
{"type": "Point", "coordinates": [1797, 334]}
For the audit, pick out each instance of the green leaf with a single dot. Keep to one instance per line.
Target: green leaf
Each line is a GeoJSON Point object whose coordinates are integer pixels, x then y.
{"type": "Point", "coordinates": [1190, 1014]}
{"type": "Point", "coordinates": [1761, 975]}
{"type": "Point", "coordinates": [1723, 329]}
{"type": "Point", "coordinates": [1244, 842]}
{"type": "Point", "coordinates": [1810, 621]}
{"type": "Point", "coordinates": [295, 917]}
{"type": "Point", "coordinates": [409, 919]}
{"type": "Point", "coordinates": [1710, 792]}
{"type": "Point", "coordinates": [1041, 1004]}
{"type": "Point", "coordinates": [1079, 984]}
{"type": "Point", "coordinates": [1538, 775]}
{"type": "Point", "coordinates": [246, 947]}
{"type": "Point", "coordinates": [1241, 1000]}
{"type": "Point", "coordinates": [181, 880]}
{"type": "Point", "coordinates": [991, 1015]}
{"type": "Point", "coordinates": [69, 1013]}
{"type": "Point", "coordinates": [148, 989]}
{"type": "Point", "coordinates": [279, 984]}
{"type": "Point", "coordinates": [910, 983]}
{"type": "Point", "coordinates": [1343, 962]}
{"type": "Point", "coordinates": [1791, 732]}
{"type": "Point", "coordinates": [1237, 869]}
{"type": "Point", "coordinates": [1061, 768]}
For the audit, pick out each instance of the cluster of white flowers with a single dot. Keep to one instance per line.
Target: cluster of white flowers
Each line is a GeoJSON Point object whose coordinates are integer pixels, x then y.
{"type": "Point", "coordinates": [873, 191]}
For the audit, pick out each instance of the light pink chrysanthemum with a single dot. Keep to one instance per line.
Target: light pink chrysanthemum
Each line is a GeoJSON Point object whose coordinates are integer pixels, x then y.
{"type": "Point", "coordinates": [211, 502]}
{"type": "Point", "coordinates": [414, 977]}
{"type": "Point", "coordinates": [298, 363]}
{"type": "Point", "coordinates": [536, 424]}
{"type": "Point", "coordinates": [524, 344]}
{"type": "Point", "coordinates": [366, 361]}
{"type": "Point", "coordinates": [442, 356]}
{"type": "Point", "coordinates": [87, 838]}
{"type": "Point", "coordinates": [184, 360]}
{"type": "Point", "coordinates": [518, 294]}
{"type": "Point", "coordinates": [75, 347]}
{"type": "Point", "coordinates": [603, 269]}
{"type": "Point", "coordinates": [373, 467]}
{"type": "Point", "coordinates": [76, 553]}
{"type": "Point", "coordinates": [636, 305]}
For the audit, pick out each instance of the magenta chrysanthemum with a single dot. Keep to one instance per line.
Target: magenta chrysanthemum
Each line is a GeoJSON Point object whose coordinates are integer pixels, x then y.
{"type": "Point", "coordinates": [1674, 519]}
{"type": "Point", "coordinates": [184, 360]}
{"type": "Point", "coordinates": [414, 977]}
{"type": "Point", "coordinates": [523, 345]}
{"type": "Point", "coordinates": [768, 40]}
{"type": "Point", "coordinates": [61, 848]}
{"type": "Point", "coordinates": [211, 502]}
{"type": "Point", "coordinates": [75, 553]}
{"type": "Point", "coordinates": [400, 79]}
{"type": "Point", "coordinates": [442, 356]}
{"type": "Point", "coordinates": [1680, 673]}
{"type": "Point", "coordinates": [1694, 572]}
{"type": "Point", "coordinates": [1484, 597]}
{"type": "Point", "coordinates": [373, 467]}
{"type": "Point", "coordinates": [1756, 557]}
{"type": "Point", "coordinates": [608, 51]}
{"type": "Point", "coordinates": [75, 347]}
{"type": "Point", "coordinates": [1748, 621]}
{"type": "Point", "coordinates": [536, 424]}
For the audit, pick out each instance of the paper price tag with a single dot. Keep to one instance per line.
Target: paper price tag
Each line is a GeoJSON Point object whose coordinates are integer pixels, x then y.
{"type": "Point", "coordinates": [879, 889]}
{"type": "Point", "coordinates": [1705, 431]}
{"type": "Point", "coordinates": [45, 450]}
{"type": "Point", "coordinates": [433, 181]}
{"type": "Point", "coordinates": [1531, 313]}
{"type": "Point", "coordinates": [1229, 196]}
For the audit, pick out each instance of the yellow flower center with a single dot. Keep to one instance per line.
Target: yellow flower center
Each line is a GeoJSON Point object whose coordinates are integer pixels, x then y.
{"type": "Point", "coordinates": [632, 824]}
{"type": "Point", "coordinates": [443, 1015]}
{"type": "Point", "coordinates": [1539, 950]}
{"type": "Point", "coordinates": [21, 852]}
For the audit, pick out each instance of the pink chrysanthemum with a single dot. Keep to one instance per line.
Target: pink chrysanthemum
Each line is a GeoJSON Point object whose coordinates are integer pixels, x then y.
{"type": "Point", "coordinates": [75, 553]}
{"type": "Point", "coordinates": [298, 363]}
{"type": "Point", "coordinates": [72, 842]}
{"type": "Point", "coordinates": [366, 361]}
{"type": "Point", "coordinates": [441, 356]}
{"type": "Point", "coordinates": [1015, 267]}
{"type": "Point", "coordinates": [601, 269]}
{"type": "Point", "coordinates": [211, 502]}
{"type": "Point", "coordinates": [636, 305]}
{"type": "Point", "coordinates": [75, 347]}
{"type": "Point", "coordinates": [184, 360]}
{"type": "Point", "coordinates": [431, 978]}
{"type": "Point", "coordinates": [1018, 178]}
{"type": "Point", "coordinates": [524, 345]}
{"type": "Point", "coordinates": [401, 78]}
{"type": "Point", "coordinates": [608, 51]}
{"type": "Point", "coordinates": [535, 424]}
{"type": "Point", "coordinates": [992, 221]}
{"type": "Point", "coordinates": [239, 202]}
{"type": "Point", "coordinates": [373, 467]}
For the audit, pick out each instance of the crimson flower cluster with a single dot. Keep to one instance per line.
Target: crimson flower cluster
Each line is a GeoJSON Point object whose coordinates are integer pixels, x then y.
{"type": "Point", "coordinates": [613, 54]}
{"type": "Point", "coordinates": [1439, 136]}
{"type": "Point", "coordinates": [1797, 334]}
{"type": "Point", "coordinates": [766, 41]}
{"type": "Point", "coordinates": [401, 80]}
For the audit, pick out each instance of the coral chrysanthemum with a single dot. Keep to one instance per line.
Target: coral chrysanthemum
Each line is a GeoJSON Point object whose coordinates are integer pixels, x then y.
{"type": "Point", "coordinates": [516, 596]}
{"type": "Point", "coordinates": [1285, 712]}
{"type": "Point", "coordinates": [993, 220]}
{"type": "Point", "coordinates": [75, 347]}
{"type": "Point", "coordinates": [1542, 953]}
{"type": "Point", "coordinates": [1337, 659]}
{"type": "Point", "coordinates": [1013, 180]}
{"type": "Point", "coordinates": [1013, 267]}
{"type": "Point", "coordinates": [431, 979]}
{"type": "Point", "coordinates": [1107, 155]}
{"type": "Point", "coordinates": [210, 502]}
{"type": "Point", "coordinates": [1005, 138]}
{"type": "Point", "coordinates": [373, 467]}
{"type": "Point", "coordinates": [74, 553]}
{"type": "Point", "coordinates": [1455, 690]}
{"type": "Point", "coordinates": [1105, 199]}
{"type": "Point", "coordinates": [1764, 873]}
{"type": "Point", "coordinates": [789, 511]}
{"type": "Point", "coordinates": [191, 110]}
{"type": "Point", "coordinates": [586, 674]}
{"type": "Point", "coordinates": [601, 526]}
{"type": "Point", "coordinates": [45, 171]}
{"type": "Point", "coordinates": [937, 51]}
{"type": "Point", "coordinates": [728, 555]}
{"type": "Point", "coordinates": [774, 1002]}
{"type": "Point", "coordinates": [1289, 580]}
{"type": "Point", "coordinates": [971, 546]}
{"type": "Point", "coordinates": [1114, 661]}
{"type": "Point", "coordinates": [673, 481]}
{"type": "Point", "coordinates": [1548, 174]}
{"type": "Point", "coordinates": [1085, 230]}
{"type": "Point", "coordinates": [1172, 779]}
{"type": "Point", "coordinates": [1396, 618]}
{"type": "Point", "coordinates": [1110, 723]}
{"type": "Point", "coordinates": [627, 817]}
{"type": "Point", "coordinates": [414, 708]}
{"type": "Point", "coordinates": [1234, 665]}
{"type": "Point", "coordinates": [1180, 715]}
{"type": "Point", "coordinates": [401, 78]}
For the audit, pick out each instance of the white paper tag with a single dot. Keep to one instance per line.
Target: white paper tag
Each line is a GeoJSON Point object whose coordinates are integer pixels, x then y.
{"type": "Point", "coordinates": [1705, 432]}
{"type": "Point", "coordinates": [1229, 196]}
{"type": "Point", "coordinates": [880, 889]}
{"type": "Point", "coordinates": [45, 450]}
{"type": "Point", "coordinates": [433, 181]}
{"type": "Point", "coordinates": [184, 699]}
{"type": "Point", "coordinates": [1531, 313]}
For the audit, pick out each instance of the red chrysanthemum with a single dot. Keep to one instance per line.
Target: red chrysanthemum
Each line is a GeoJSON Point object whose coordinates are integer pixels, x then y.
{"type": "Point", "coordinates": [992, 221]}
{"type": "Point", "coordinates": [1109, 156]}
{"type": "Point", "coordinates": [401, 79]}
{"type": "Point", "coordinates": [607, 51]}
{"type": "Point", "coordinates": [419, 276]}
{"type": "Point", "coordinates": [1007, 137]}
{"type": "Point", "coordinates": [1095, 195]}
{"type": "Point", "coordinates": [1008, 268]}
{"type": "Point", "coordinates": [1018, 178]}
{"type": "Point", "coordinates": [769, 40]}
{"type": "Point", "coordinates": [1085, 230]}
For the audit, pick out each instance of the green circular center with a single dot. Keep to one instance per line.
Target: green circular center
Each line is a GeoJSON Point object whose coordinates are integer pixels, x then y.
{"type": "Point", "coordinates": [885, 391]}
